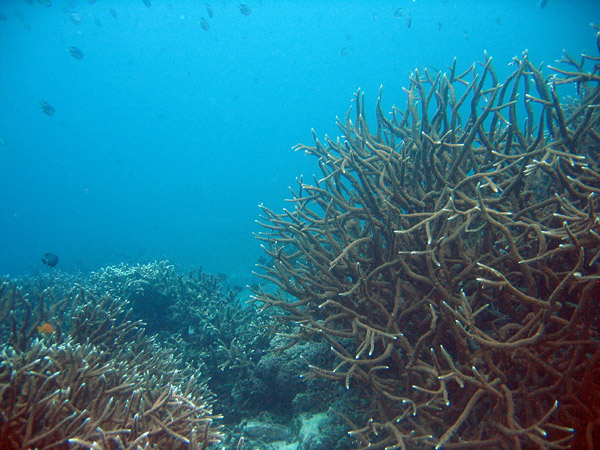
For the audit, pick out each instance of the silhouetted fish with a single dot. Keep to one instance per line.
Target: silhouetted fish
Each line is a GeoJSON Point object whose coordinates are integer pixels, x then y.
{"type": "Point", "coordinates": [209, 11]}
{"type": "Point", "coordinates": [221, 277]}
{"type": "Point", "coordinates": [408, 22]}
{"type": "Point", "coordinates": [47, 108]}
{"type": "Point", "coordinates": [244, 9]}
{"type": "Point", "coordinates": [73, 16]}
{"type": "Point", "coordinates": [542, 3]}
{"type": "Point", "coordinates": [236, 289]}
{"type": "Point", "coordinates": [113, 13]}
{"type": "Point", "coordinates": [75, 52]}
{"type": "Point", "coordinates": [147, 3]}
{"type": "Point", "coordinates": [399, 12]}
{"type": "Point", "coordinates": [204, 24]}
{"type": "Point", "coordinates": [50, 259]}
{"type": "Point", "coordinates": [46, 3]}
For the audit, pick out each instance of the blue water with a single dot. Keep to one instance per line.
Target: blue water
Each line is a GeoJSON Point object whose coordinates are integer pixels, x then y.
{"type": "Point", "coordinates": [167, 137]}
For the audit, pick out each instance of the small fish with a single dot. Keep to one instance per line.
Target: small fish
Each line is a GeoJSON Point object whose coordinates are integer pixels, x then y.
{"type": "Point", "coordinates": [46, 3]}
{"type": "Point", "coordinates": [440, 25]}
{"type": "Point", "coordinates": [344, 51]}
{"type": "Point", "coordinates": [113, 13]}
{"type": "Point", "coordinates": [74, 17]}
{"type": "Point", "coordinates": [542, 3]}
{"type": "Point", "coordinates": [75, 52]}
{"type": "Point", "coordinates": [236, 289]}
{"type": "Point", "coordinates": [204, 24]}
{"type": "Point", "coordinates": [47, 108]}
{"type": "Point", "coordinates": [50, 259]}
{"type": "Point", "coordinates": [209, 11]}
{"type": "Point", "coordinates": [91, 2]}
{"type": "Point", "coordinates": [244, 9]}
{"type": "Point", "coordinates": [147, 3]}
{"type": "Point", "coordinates": [221, 277]}
{"type": "Point", "coordinates": [46, 328]}
{"type": "Point", "coordinates": [399, 12]}
{"type": "Point", "coordinates": [408, 22]}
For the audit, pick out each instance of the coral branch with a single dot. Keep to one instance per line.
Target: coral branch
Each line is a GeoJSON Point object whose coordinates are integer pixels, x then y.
{"type": "Point", "coordinates": [450, 259]}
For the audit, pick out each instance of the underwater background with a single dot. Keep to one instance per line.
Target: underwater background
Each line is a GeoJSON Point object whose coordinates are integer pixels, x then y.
{"type": "Point", "coordinates": [167, 136]}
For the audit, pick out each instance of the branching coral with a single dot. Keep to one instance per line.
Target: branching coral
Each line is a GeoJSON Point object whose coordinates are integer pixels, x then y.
{"type": "Point", "coordinates": [201, 315]}
{"type": "Point", "coordinates": [450, 258]}
{"type": "Point", "coordinates": [97, 382]}
{"type": "Point", "coordinates": [59, 394]}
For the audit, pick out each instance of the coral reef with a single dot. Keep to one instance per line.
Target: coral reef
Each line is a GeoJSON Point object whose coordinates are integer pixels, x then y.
{"type": "Point", "coordinates": [150, 288]}
{"type": "Point", "coordinates": [450, 259]}
{"type": "Point", "coordinates": [77, 373]}
{"type": "Point", "coordinates": [199, 317]}
{"type": "Point", "coordinates": [59, 394]}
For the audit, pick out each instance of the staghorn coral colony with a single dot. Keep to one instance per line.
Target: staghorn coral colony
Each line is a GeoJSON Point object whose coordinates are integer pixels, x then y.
{"type": "Point", "coordinates": [198, 317]}
{"type": "Point", "coordinates": [75, 372]}
{"type": "Point", "coordinates": [449, 256]}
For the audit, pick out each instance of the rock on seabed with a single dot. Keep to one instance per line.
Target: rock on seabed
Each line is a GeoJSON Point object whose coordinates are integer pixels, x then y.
{"type": "Point", "coordinates": [267, 432]}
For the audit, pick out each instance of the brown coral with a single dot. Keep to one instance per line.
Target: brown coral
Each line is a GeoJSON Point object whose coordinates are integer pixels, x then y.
{"type": "Point", "coordinates": [450, 258]}
{"type": "Point", "coordinates": [102, 385]}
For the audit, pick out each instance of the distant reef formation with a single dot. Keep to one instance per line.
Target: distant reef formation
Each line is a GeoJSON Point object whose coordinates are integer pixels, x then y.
{"type": "Point", "coordinates": [449, 256]}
